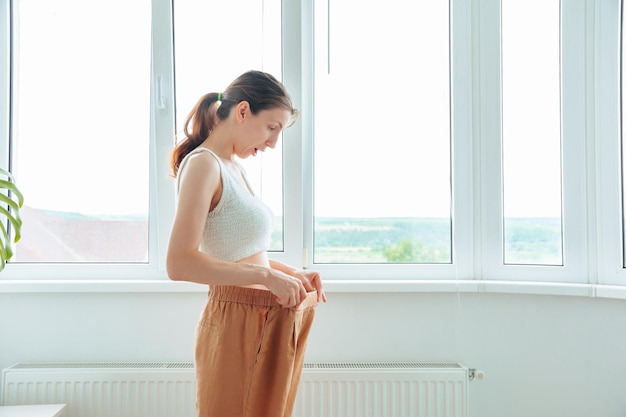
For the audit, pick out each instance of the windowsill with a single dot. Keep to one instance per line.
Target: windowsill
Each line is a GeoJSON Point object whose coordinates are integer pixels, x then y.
{"type": "Point", "coordinates": [331, 286]}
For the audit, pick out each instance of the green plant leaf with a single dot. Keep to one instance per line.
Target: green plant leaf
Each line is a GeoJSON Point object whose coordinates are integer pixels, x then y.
{"type": "Point", "coordinates": [11, 201]}
{"type": "Point", "coordinates": [9, 185]}
{"type": "Point", "coordinates": [14, 205]}
{"type": "Point", "coordinates": [5, 249]}
{"type": "Point", "coordinates": [4, 242]}
{"type": "Point", "coordinates": [15, 222]}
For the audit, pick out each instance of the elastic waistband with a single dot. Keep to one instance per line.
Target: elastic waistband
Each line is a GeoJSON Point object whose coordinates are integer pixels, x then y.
{"type": "Point", "coordinates": [254, 296]}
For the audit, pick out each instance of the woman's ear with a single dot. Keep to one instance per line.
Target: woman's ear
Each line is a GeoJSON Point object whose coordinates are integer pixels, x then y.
{"type": "Point", "coordinates": [242, 110]}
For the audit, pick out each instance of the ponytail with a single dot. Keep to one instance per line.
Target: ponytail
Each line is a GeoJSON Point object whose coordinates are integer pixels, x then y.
{"type": "Point", "coordinates": [198, 125]}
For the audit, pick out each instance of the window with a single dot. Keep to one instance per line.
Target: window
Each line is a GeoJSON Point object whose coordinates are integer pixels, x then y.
{"type": "Point", "coordinates": [210, 53]}
{"type": "Point", "coordinates": [531, 135]}
{"type": "Point", "coordinates": [80, 129]}
{"type": "Point", "coordinates": [441, 141]}
{"type": "Point", "coordinates": [533, 151]}
{"type": "Point", "coordinates": [382, 133]}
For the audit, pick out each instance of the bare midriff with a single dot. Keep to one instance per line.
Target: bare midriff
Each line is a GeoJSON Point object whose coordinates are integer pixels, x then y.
{"type": "Point", "coordinates": [260, 258]}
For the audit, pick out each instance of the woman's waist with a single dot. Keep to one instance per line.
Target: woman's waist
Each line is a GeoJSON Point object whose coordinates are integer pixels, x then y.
{"type": "Point", "coordinates": [260, 258]}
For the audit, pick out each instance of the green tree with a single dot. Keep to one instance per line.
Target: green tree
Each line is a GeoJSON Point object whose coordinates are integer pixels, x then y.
{"type": "Point", "coordinates": [408, 251]}
{"type": "Point", "coordinates": [402, 252]}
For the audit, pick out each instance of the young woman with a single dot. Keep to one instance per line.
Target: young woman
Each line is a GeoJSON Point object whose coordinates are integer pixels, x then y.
{"type": "Point", "coordinates": [251, 336]}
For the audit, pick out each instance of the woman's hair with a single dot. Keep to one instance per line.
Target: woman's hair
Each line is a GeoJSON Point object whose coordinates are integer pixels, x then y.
{"type": "Point", "coordinates": [261, 90]}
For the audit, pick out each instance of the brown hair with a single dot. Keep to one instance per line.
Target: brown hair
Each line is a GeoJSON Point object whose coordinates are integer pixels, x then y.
{"type": "Point", "coordinates": [261, 90]}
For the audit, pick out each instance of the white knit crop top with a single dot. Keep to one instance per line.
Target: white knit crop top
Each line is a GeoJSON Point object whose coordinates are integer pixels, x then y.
{"type": "Point", "coordinates": [240, 225]}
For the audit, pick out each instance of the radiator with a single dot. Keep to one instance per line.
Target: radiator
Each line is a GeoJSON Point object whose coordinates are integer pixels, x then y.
{"type": "Point", "coordinates": [415, 389]}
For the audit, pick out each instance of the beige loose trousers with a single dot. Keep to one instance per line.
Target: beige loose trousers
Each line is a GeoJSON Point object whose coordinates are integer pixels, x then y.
{"type": "Point", "coordinates": [249, 353]}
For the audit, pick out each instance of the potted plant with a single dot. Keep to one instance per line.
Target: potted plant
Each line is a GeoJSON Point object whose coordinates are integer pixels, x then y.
{"type": "Point", "coordinates": [11, 201]}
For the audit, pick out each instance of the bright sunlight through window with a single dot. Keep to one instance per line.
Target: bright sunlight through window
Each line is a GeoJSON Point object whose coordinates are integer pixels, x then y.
{"type": "Point", "coordinates": [382, 133]}
{"type": "Point", "coordinates": [80, 129]}
{"type": "Point", "coordinates": [531, 132]}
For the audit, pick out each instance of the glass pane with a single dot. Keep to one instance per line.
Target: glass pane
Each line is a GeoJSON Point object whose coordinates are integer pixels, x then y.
{"type": "Point", "coordinates": [531, 133]}
{"type": "Point", "coordinates": [80, 129]}
{"type": "Point", "coordinates": [211, 51]}
{"type": "Point", "coordinates": [382, 132]}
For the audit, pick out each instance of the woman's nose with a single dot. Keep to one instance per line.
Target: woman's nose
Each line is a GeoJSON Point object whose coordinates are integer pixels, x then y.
{"type": "Point", "coordinates": [272, 143]}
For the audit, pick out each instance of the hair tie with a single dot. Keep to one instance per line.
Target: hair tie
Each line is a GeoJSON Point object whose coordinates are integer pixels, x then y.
{"type": "Point", "coordinates": [219, 96]}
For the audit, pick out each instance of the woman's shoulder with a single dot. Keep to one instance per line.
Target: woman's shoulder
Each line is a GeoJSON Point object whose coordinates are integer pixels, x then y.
{"type": "Point", "coordinates": [200, 166]}
{"type": "Point", "coordinates": [201, 158]}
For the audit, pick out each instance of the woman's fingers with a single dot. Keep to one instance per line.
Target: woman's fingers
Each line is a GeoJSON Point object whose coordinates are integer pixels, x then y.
{"type": "Point", "coordinates": [317, 282]}
{"type": "Point", "coordinates": [293, 291]}
{"type": "Point", "coordinates": [291, 294]}
{"type": "Point", "coordinates": [314, 281]}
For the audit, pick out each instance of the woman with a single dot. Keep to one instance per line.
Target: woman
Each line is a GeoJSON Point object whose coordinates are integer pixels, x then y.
{"type": "Point", "coordinates": [252, 333]}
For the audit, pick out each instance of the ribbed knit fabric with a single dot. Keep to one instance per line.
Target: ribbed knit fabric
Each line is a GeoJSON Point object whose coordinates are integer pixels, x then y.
{"type": "Point", "coordinates": [240, 225]}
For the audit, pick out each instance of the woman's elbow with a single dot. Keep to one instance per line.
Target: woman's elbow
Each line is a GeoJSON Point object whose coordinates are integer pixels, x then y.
{"type": "Point", "coordinates": [173, 267]}
{"type": "Point", "coordinates": [173, 276]}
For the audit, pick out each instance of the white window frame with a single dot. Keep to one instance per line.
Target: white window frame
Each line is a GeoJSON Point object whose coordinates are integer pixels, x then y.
{"type": "Point", "coordinates": [461, 104]}
{"type": "Point", "coordinates": [573, 131]}
{"type": "Point", "coordinates": [5, 81]}
{"type": "Point", "coordinates": [593, 243]}
{"type": "Point", "coordinates": [608, 170]}
{"type": "Point", "coordinates": [293, 199]}
{"type": "Point", "coordinates": [161, 185]}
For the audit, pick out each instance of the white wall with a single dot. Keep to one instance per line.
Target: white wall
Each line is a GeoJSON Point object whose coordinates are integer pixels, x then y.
{"type": "Point", "coordinates": [543, 355]}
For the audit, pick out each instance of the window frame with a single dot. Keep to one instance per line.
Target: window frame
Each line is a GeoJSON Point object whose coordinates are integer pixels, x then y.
{"type": "Point", "coordinates": [573, 130]}
{"type": "Point", "coordinates": [161, 208]}
{"type": "Point", "coordinates": [5, 79]}
{"type": "Point", "coordinates": [609, 58]}
{"type": "Point", "coordinates": [592, 190]}
{"type": "Point", "coordinates": [461, 267]}
{"type": "Point", "coordinates": [293, 137]}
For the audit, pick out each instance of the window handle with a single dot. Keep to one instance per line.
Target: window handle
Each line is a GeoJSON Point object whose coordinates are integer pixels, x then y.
{"type": "Point", "coordinates": [161, 100]}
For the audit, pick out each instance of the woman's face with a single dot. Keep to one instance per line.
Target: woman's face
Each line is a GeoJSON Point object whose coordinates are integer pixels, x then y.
{"type": "Point", "coordinates": [261, 131]}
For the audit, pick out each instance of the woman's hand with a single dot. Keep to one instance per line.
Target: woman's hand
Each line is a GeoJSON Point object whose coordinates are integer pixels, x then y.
{"type": "Point", "coordinates": [289, 291]}
{"type": "Point", "coordinates": [312, 281]}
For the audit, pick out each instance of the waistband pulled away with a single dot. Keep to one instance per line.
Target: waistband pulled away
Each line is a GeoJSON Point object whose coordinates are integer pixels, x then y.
{"type": "Point", "coordinates": [254, 296]}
